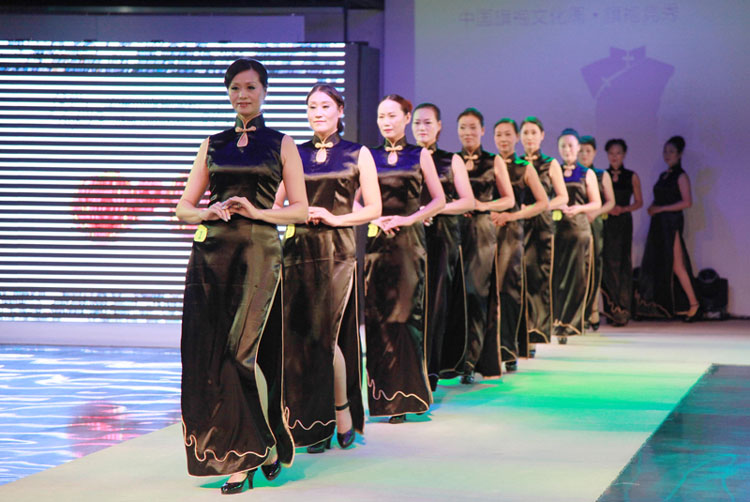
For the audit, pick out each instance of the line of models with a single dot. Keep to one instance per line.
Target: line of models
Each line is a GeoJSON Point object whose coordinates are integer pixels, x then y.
{"type": "Point", "coordinates": [470, 259]}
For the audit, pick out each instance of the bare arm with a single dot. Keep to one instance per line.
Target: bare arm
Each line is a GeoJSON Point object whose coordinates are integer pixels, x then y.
{"type": "Point", "coordinates": [592, 194]}
{"type": "Point", "coordinates": [560, 200]}
{"type": "Point", "coordinates": [507, 199]}
{"type": "Point", "coordinates": [465, 201]}
{"type": "Point", "coordinates": [683, 182]}
{"type": "Point", "coordinates": [278, 203]}
{"type": "Point", "coordinates": [370, 191]}
{"type": "Point", "coordinates": [608, 196]}
{"type": "Point", "coordinates": [187, 208]}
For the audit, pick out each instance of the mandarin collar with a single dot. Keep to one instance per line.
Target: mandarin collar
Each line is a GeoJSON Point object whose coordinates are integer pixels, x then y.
{"type": "Point", "coordinates": [333, 138]}
{"type": "Point", "coordinates": [400, 142]}
{"type": "Point", "coordinates": [256, 121]}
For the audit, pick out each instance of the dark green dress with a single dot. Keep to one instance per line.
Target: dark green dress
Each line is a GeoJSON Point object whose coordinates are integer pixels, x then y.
{"type": "Point", "coordinates": [659, 293]}
{"type": "Point", "coordinates": [597, 234]}
{"type": "Point", "coordinates": [320, 298]}
{"type": "Point", "coordinates": [539, 234]}
{"type": "Point", "coordinates": [572, 260]}
{"type": "Point", "coordinates": [446, 300]}
{"type": "Point", "coordinates": [395, 292]}
{"type": "Point", "coordinates": [617, 261]}
{"type": "Point", "coordinates": [232, 316]}
{"type": "Point", "coordinates": [478, 246]}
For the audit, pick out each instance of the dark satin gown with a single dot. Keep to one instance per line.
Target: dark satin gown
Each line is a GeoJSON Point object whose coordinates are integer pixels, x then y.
{"type": "Point", "coordinates": [395, 292]}
{"type": "Point", "coordinates": [572, 260]}
{"type": "Point", "coordinates": [478, 246]}
{"type": "Point", "coordinates": [539, 234]}
{"type": "Point", "coordinates": [320, 298]}
{"type": "Point", "coordinates": [446, 304]}
{"type": "Point", "coordinates": [232, 316]}
{"type": "Point", "coordinates": [597, 235]}
{"type": "Point", "coordinates": [659, 293]}
{"type": "Point", "coordinates": [617, 266]}
{"type": "Point", "coordinates": [509, 270]}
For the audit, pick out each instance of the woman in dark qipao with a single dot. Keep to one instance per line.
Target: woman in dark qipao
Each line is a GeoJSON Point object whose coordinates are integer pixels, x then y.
{"type": "Point", "coordinates": [490, 184]}
{"type": "Point", "coordinates": [665, 256]}
{"type": "Point", "coordinates": [232, 348]}
{"type": "Point", "coordinates": [509, 262]}
{"type": "Point", "coordinates": [395, 263]}
{"type": "Point", "coordinates": [572, 252]}
{"type": "Point", "coordinates": [617, 261]}
{"type": "Point", "coordinates": [322, 367]}
{"type": "Point", "coordinates": [539, 234]}
{"type": "Point", "coordinates": [445, 330]}
{"type": "Point", "coordinates": [586, 156]}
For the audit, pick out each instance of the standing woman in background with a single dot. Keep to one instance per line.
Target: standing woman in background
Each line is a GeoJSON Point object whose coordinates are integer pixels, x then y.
{"type": "Point", "coordinates": [665, 255]}
{"type": "Point", "coordinates": [596, 218]}
{"type": "Point", "coordinates": [489, 177]}
{"type": "Point", "coordinates": [617, 261]}
{"type": "Point", "coordinates": [445, 332]}
{"type": "Point", "coordinates": [232, 348]}
{"type": "Point", "coordinates": [322, 367]}
{"type": "Point", "coordinates": [539, 235]}
{"type": "Point", "coordinates": [572, 252]}
{"type": "Point", "coordinates": [509, 264]}
{"type": "Point", "coordinates": [395, 263]}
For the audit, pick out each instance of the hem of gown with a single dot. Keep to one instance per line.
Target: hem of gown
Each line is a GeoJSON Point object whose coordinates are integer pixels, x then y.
{"type": "Point", "coordinates": [393, 397]}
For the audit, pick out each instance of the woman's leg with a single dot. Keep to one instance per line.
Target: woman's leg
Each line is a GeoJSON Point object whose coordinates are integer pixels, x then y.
{"type": "Point", "coordinates": [678, 266]}
{"type": "Point", "coordinates": [343, 417]}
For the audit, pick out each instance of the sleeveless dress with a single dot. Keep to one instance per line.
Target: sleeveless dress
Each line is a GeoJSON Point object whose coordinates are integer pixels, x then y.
{"type": "Point", "coordinates": [478, 246]}
{"type": "Point", "coordinates": [539, 234]}
{"type": "Point", "coordinates": [395, 292]}
{"type": "Point", "coordinates": [509, 270]}
{"type": "Point", "coordinates": [595, 275]}
{"type": "Point", "coordinates": [659, 293]}
{"type": "Point", "coordinates": [572, 257]}
{"type": "Point", "coordinates": [446, 314]}
{"type": "Point", "coordinates": [320, 298]}
{"type": "Point", "coordinates": [617, 261]}
{"type": "Point", "coordinates": [231, 320]}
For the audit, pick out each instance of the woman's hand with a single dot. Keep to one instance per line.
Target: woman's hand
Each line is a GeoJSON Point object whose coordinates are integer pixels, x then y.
{"type": "Point", "coordinates": [217, 211]}
{"type": "Point", "coordinates": [392, 224]}
{"type": "Point", "coordinates": [571, 210]}
{"type": "Point", "coordinates": [500, 219]}
{"type": "Point", "coordinates": [652, 210]}
{"type": "Point", "coordinates": [316, 215]}
{"type": "Point", "coordinates": [242, 206]}
{"type": "Point", "coordinates": [615, 211]}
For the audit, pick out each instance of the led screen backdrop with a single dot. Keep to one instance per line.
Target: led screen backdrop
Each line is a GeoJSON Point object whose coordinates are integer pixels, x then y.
{"type": "Point", "coordinates": [96, 142]}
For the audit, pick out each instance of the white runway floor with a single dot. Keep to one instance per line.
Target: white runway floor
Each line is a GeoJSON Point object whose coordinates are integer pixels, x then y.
{"type": "Point", "coordinates": [560, 429]}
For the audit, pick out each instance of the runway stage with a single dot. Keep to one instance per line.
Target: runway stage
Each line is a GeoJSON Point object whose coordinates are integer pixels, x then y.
{"type": "Point", "coordinates": [560, 429]}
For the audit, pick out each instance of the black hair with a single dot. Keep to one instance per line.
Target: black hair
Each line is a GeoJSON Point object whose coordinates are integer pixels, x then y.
{"type": "Point", "coordinates": [533, 120]}
{"type": "Point", "coordinates": [616, 141]}
{"type": "Point", "coordinates": [243, 65]}
{"type": "Point", "coordinates": [432, 107]}
{"type": "Point", "coordinates": [406, 105]}
{"type": "Point", "coordinates": [587, 140]}
{"type": "Point", "coordinates": [506, 120]}
{"type": "Point", "coordinates": [332, 93]}
{"type": "Point", "coordinates": [569, 131]}
{"type": "Point", "coordinates": [678, 142]}
{"type": "Point", "coordinates": [473, 112]}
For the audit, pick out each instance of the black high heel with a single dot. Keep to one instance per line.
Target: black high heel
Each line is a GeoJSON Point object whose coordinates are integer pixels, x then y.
{"type": "Point", "coordinates": [238, 487]}
{"type": "Point", "coordinates": [320, 446]}
{"type": "Point", "coordinates": [271, 471]}
{"type": "Point", "coordinates": [562, 340]}
{"type": "Point", "coordinates": [511, 366]}
{"type": "Point", "coordinates": [347, 438]}
{"type": "Point", "coordinates": [397, 419]}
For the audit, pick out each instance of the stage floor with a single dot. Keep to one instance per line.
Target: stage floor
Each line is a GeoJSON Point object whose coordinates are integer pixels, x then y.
{"type": "Point", "coordinates": [560, 429]}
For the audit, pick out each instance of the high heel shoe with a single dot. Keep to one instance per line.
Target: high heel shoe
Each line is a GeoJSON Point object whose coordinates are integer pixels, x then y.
{"type": "Point", "coordinates": [347, 438]}
{"type": "Point", "coordinates": [562, 340]}
{"type": "Point", "coordinates": [320, 446]}
{"type": "Point", "coordinates": [693, 314]}
{"type": "Point", "coordinates": [397, 419]}
{"type": "Point", "coordinates": [271, 471]}
{"type": "Point", "coordinates": [231, 488]}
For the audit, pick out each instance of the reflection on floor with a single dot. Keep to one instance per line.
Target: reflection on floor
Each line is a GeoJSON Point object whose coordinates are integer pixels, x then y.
{"type": "Point", "coordinates": [61, 403]}
{"type": "Point", "coordinates": [701, 451]}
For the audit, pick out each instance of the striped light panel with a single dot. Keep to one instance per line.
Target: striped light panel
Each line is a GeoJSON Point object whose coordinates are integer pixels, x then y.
{"type": "Point", "coordinates": [96, 142]}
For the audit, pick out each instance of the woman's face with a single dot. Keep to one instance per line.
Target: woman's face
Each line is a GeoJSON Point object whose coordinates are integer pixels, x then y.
{"type": "Point", "coordinates": [470, 132]}
{"type": "Point", "coordinates": [323, 114]}
{"type": "Point", "coordinates": [531, 137]}
{"type": "Point", "coordinates": [246, 94]}
{"type": "Point", "coordinates": [505, 139]}
{"type": "Point", "coordinates": [392, 120]}
{"type": "Point", "coordinates": [586, 155]}
{"type": "Point", "coordinates": [569, 147]}
{"type": "Point", "coordinates": [671, 155]}
{"type": "Point", "coordinates": [616, 156]}
{"type": "Point", "coordinates": [426, 126]}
